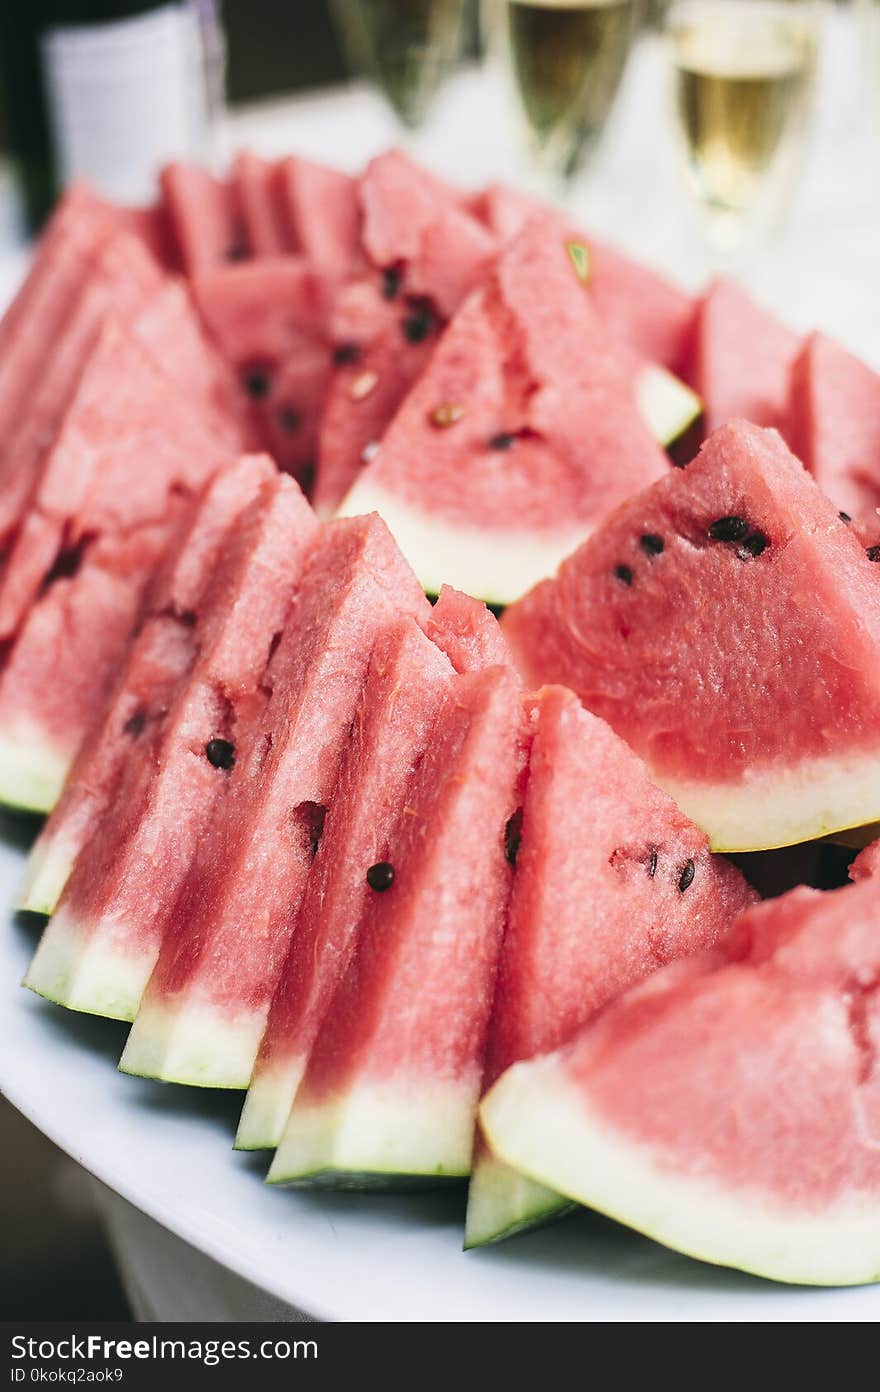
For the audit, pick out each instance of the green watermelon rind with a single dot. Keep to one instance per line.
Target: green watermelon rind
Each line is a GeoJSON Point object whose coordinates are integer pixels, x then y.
{"type": "Point", "coordinates": [539, 1123]}
{"type": "Point", "coordinates": [32, 770]}
{"type": "Point", "coordinates": [783, 806]}
{"type": "Point", "coordinates": [93, 980]}
{"type": "Point", "coordinates": [198, 1044]}
{"type": "Point", "coordinates": [267, 1106]}
{"type": "Point", "coordinates": [503, 1203]}
{"type": "Point", "coordinates": [494, 565]}
{"type": "Point", "coordinates": [381, 1134]}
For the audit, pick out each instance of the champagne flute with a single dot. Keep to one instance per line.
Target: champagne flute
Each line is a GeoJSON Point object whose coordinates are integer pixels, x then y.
{"type": "Point", "coordinates": [566, 59]}
{"type": "Point", "coordinates": [744, 76]}
{"type": "Point", "coordinates": [406, 46]}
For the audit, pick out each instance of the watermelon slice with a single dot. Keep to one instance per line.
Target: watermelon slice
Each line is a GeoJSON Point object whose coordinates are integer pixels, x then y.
{"type": "Point", "coordinates": [741, 358]}
{"type": "Point", "coordinates": [467, 632]}
{"type": "Point", "coordinates": [322, 213]}
{"type": "Point", "coordinates": [426, 253]}
{"type": "Point", "coordinates": [405, 684]}
{"type": "Point", "coordinates": [392, 1083]}
{"type": "Point", "coordinates": [867, 863]}
{"type": "Point", "coordinates": [834, 423]}
{"type": "Point", "coordinates": [257, 196]}
{"type": "Point", "coordinates": [726, 623]}
{"type": "Point", "coordinates": [204, 217]}
{"type": "Point", "coordinates": [113, 488]}
{"type": "Point", "coordinates": [269, 319]}
{"type": "Point", "coordinates": [158, 662]}
{"type": "Point", "coordinates": [642, 309]}
{"type": "Point", "coordinates": [521, 435]}
{"type": "Point", "coordinates": [730, 1106]}
{"type": "Point", "coordinates": [611, 882]}
{"type": "Point", "coordinates": [97, 952]}
{"type": "Point", "coordinates": [205, 1009]}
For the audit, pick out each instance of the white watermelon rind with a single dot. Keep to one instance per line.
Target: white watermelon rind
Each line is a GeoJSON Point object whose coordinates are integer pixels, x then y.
{"type": "Point", "coordinates": [668, 406]}
{"type": "Point", "coordinates": [538, 1122]}
{"type": "Point", "coordinates": [267, 1105]}
{"type": "Point", "coordinates": [195, 1043]}
{"type": "Point", "coordinates": [783, 806]}
{"type": "Point", "coordinates": [73, 968]}
{"type": "Point", "coordinates": [503, 1203]}
{"type": "Point", "coordinates": [496, 566]}
{"type": "Point", "coordinates": [379, 1136]}
{"type": "Point", "coordinates": [33, 770]}
{"type": "Point", "coordinates": [46, 872]}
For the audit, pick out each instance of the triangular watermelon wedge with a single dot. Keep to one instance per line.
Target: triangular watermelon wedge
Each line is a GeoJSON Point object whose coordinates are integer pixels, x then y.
{"type": "Point", "coordinates": [204, 217]}
{"type": "Point", "coordinates": [113, 488]}
{"type": "Point", "coordinates": [730, 1106]}
{"type": "Point", "coordinates": [833, 423]}
{"type": "Point", "coordinates": [611, 882]}
{"type": "Point", "coordinates": [405, 684]}
{"type": "Point", "coordinates": [522, 434]}
{"type": "Point", "coordinates": [206, 1005]}
{"type": "Point", "coordinates": [257, 194]}
{"type": "Point", "coordinates": [392, 1083]}
{"type": "Point", "coordinates": [97, 951]}
{"type": "Point", "coordinates": [726, 623]}
{"type": "Point", "coordinates": [740, 358]}
{"type": "Point", "coordinates": [157, 664]}
{"type": "Point", "coordinates": [323, 214]}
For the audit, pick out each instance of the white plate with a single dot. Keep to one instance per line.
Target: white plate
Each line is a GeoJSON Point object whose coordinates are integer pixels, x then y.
{"type": "Point", "coordinates": [345, 1257]}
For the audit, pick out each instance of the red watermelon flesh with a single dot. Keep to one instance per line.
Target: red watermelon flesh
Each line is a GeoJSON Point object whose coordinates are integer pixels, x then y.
{"type": "Point", "coordinates": [322, 213]}
{"type": "Point", "coordinates": [834, 423]}
{"type": "Point", "coordinates": [257, 192]}
{"type": "Point", "coordinates": [98, 950]}
{"type": "Point", "coordinates": [205, 1009]}
{"type": "Point", "coordinates": [744, 671]}
{"type": "Point", "coordinates": [730, 1106]}
{"type": "Point", "coordinates": [125, 461]}
{"type": "Point", "coordinates": [741, 359]}
{"type": "Point", "coordinates": [867, 863]}
{"type": "Point", "coordinates": [393, 1081]}
{"type": "Point", "coordinates": [466, 631]}
{"type": "Point", "coordinates": [642, 309]}
{"type": "Point", "coordinates": [269, 319]}
{"type": "Point", "coordinates": [611, 882]}
{"type": "Point", "coordinates": [204, 217]}
{"type": "Point", "coordinates": [522, 434]}
{"type": "Point", "coordinates": [405, 685]}
{"type": "Point", "coordinates": [126, 443]}
{"type": "Point", "coordinates": [158, 661]}
{"type": "Point", "coordinates": [123, 278]}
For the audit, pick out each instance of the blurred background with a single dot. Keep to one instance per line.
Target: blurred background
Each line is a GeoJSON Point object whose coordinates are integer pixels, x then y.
{"type": "Point", "coordinates": [700, 134]}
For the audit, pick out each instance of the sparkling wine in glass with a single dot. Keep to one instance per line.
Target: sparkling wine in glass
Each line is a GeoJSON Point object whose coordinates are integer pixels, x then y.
{"type": "Point", "coordinates": [744, 75]}
{"type": "Point", "coordinates": [566, 58]}
{"type": "Point", "coordinates": [406, 46]}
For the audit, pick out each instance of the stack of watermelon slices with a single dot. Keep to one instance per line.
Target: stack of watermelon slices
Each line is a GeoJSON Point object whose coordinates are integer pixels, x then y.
{"type": "Point", "coordinates": [316, 839]}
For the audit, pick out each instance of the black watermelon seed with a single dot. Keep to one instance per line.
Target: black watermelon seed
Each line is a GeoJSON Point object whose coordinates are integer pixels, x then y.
{"type": "Point", "coordinates": [687, 876]}
{"type": "Point", "coordinates": [873, 553]}
{"type": "Point", "coordinates": [651, 544]}
{"type": "Point", "coordinates": [346, 353]}
{"type": "Point", "coordinates": [417, 325]}
{"type": "Point", "coordinates": [381, 876]}
{"type": "Point", "coordinates": [652, 863]}
{"type": "Point", "coordinates": [624, 574]}
{"type": "Point", "coordinates": [391, 279]}
{"type": "Point", "coordinates": [289, 419]}
{"type": "Point", "coordinates": [513, 836]}
{"type": "Point", "coordinates": [844, 517]}
{"type": "Point", "coordinates": [753, 546]}
{"type": "Point", "coordinates": [256, 383]}
{"type": "Point", "coordinates": [221, 753]}
{"type": "Point", "coordinates": [502, 441]}
{"type": "Point", "coordinates": [134, 725]}
{"type": "Point", "coordinates": [729, 529]}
